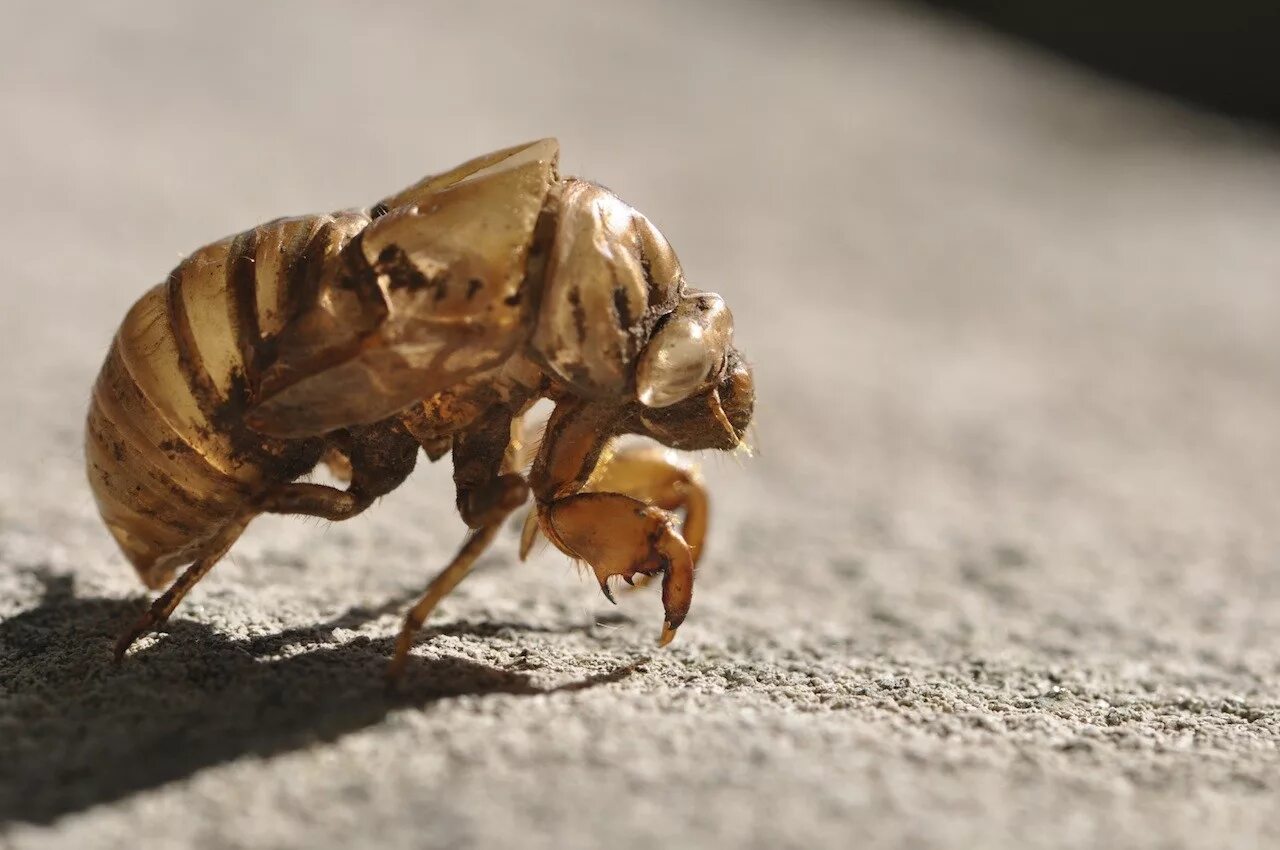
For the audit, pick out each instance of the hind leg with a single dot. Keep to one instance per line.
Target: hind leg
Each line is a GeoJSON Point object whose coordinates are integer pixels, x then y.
{"type": "Point", "coordinates": [304, 499]}
{"type": "Point", "coordinates": [381, 456]}
{"type": "Point", "coordinates": [164, 605]}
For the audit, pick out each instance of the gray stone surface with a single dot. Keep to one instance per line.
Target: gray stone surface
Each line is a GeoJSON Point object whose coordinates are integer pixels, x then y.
{"type": "Point", "coordinates": [1003, 574]}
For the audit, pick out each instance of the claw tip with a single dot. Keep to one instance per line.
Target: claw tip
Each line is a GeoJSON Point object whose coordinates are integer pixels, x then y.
{"type": "Point", "coordinates": [668, 634]}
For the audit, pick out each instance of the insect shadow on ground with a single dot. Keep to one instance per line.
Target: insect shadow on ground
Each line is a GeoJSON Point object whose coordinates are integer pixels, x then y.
{"type": "Point", "coordinates": [77, 731]}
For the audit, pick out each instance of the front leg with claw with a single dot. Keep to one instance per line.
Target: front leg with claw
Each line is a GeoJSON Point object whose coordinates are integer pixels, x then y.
{"type": "Point", "coordinates": [621, 536]}
{"type": "Point", "coordinates": [656, 476]}
{"type": "Point", "coordinates": [614, 533]}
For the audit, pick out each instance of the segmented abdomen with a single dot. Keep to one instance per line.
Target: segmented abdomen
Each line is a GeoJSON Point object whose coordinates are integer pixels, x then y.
{"type": "Point", "coordinates": [169, 460]}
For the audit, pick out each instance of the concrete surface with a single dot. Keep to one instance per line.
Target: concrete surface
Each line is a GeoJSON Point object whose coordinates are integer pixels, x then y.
{"type": "Point", "coordinates": [1004, 573]}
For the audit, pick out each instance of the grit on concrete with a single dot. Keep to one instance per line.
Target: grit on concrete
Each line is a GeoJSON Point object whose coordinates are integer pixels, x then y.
{"type": "Point", "coordinates": [1004, 572]}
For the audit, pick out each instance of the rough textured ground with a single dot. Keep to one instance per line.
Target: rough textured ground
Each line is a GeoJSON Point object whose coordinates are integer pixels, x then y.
{"type": "Point", "coordinates": [1004, 573]}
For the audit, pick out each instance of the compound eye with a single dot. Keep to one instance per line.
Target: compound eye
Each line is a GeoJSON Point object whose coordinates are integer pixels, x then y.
{"type": "Point", "coordinates": [687, 352]}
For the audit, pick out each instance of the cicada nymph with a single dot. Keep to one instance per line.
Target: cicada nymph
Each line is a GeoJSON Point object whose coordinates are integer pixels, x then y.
{"type": "Point", "coordinates": [433, 320]}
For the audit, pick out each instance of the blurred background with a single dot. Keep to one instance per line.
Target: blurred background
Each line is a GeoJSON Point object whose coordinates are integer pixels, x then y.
{"type": "Point", "coordinates": [1221, 56]}
{"type": "Point", "coordinates": [1002, 572]}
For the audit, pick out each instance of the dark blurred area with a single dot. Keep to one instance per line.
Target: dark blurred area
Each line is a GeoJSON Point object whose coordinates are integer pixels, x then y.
{"type": "Point", "coordinates": [1224, 55]}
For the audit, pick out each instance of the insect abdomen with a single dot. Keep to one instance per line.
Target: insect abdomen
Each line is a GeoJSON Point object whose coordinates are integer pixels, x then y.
{"type": "Point", "coordinates": [169, 460]}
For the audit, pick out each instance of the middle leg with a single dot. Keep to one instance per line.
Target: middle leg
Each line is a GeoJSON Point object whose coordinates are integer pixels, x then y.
{"type": "Point", "coordinates": [488, 491]}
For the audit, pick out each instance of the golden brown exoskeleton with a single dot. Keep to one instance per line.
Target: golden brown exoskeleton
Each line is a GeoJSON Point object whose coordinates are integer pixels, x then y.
{"type": "Point", "coordinates": [434, 320]}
